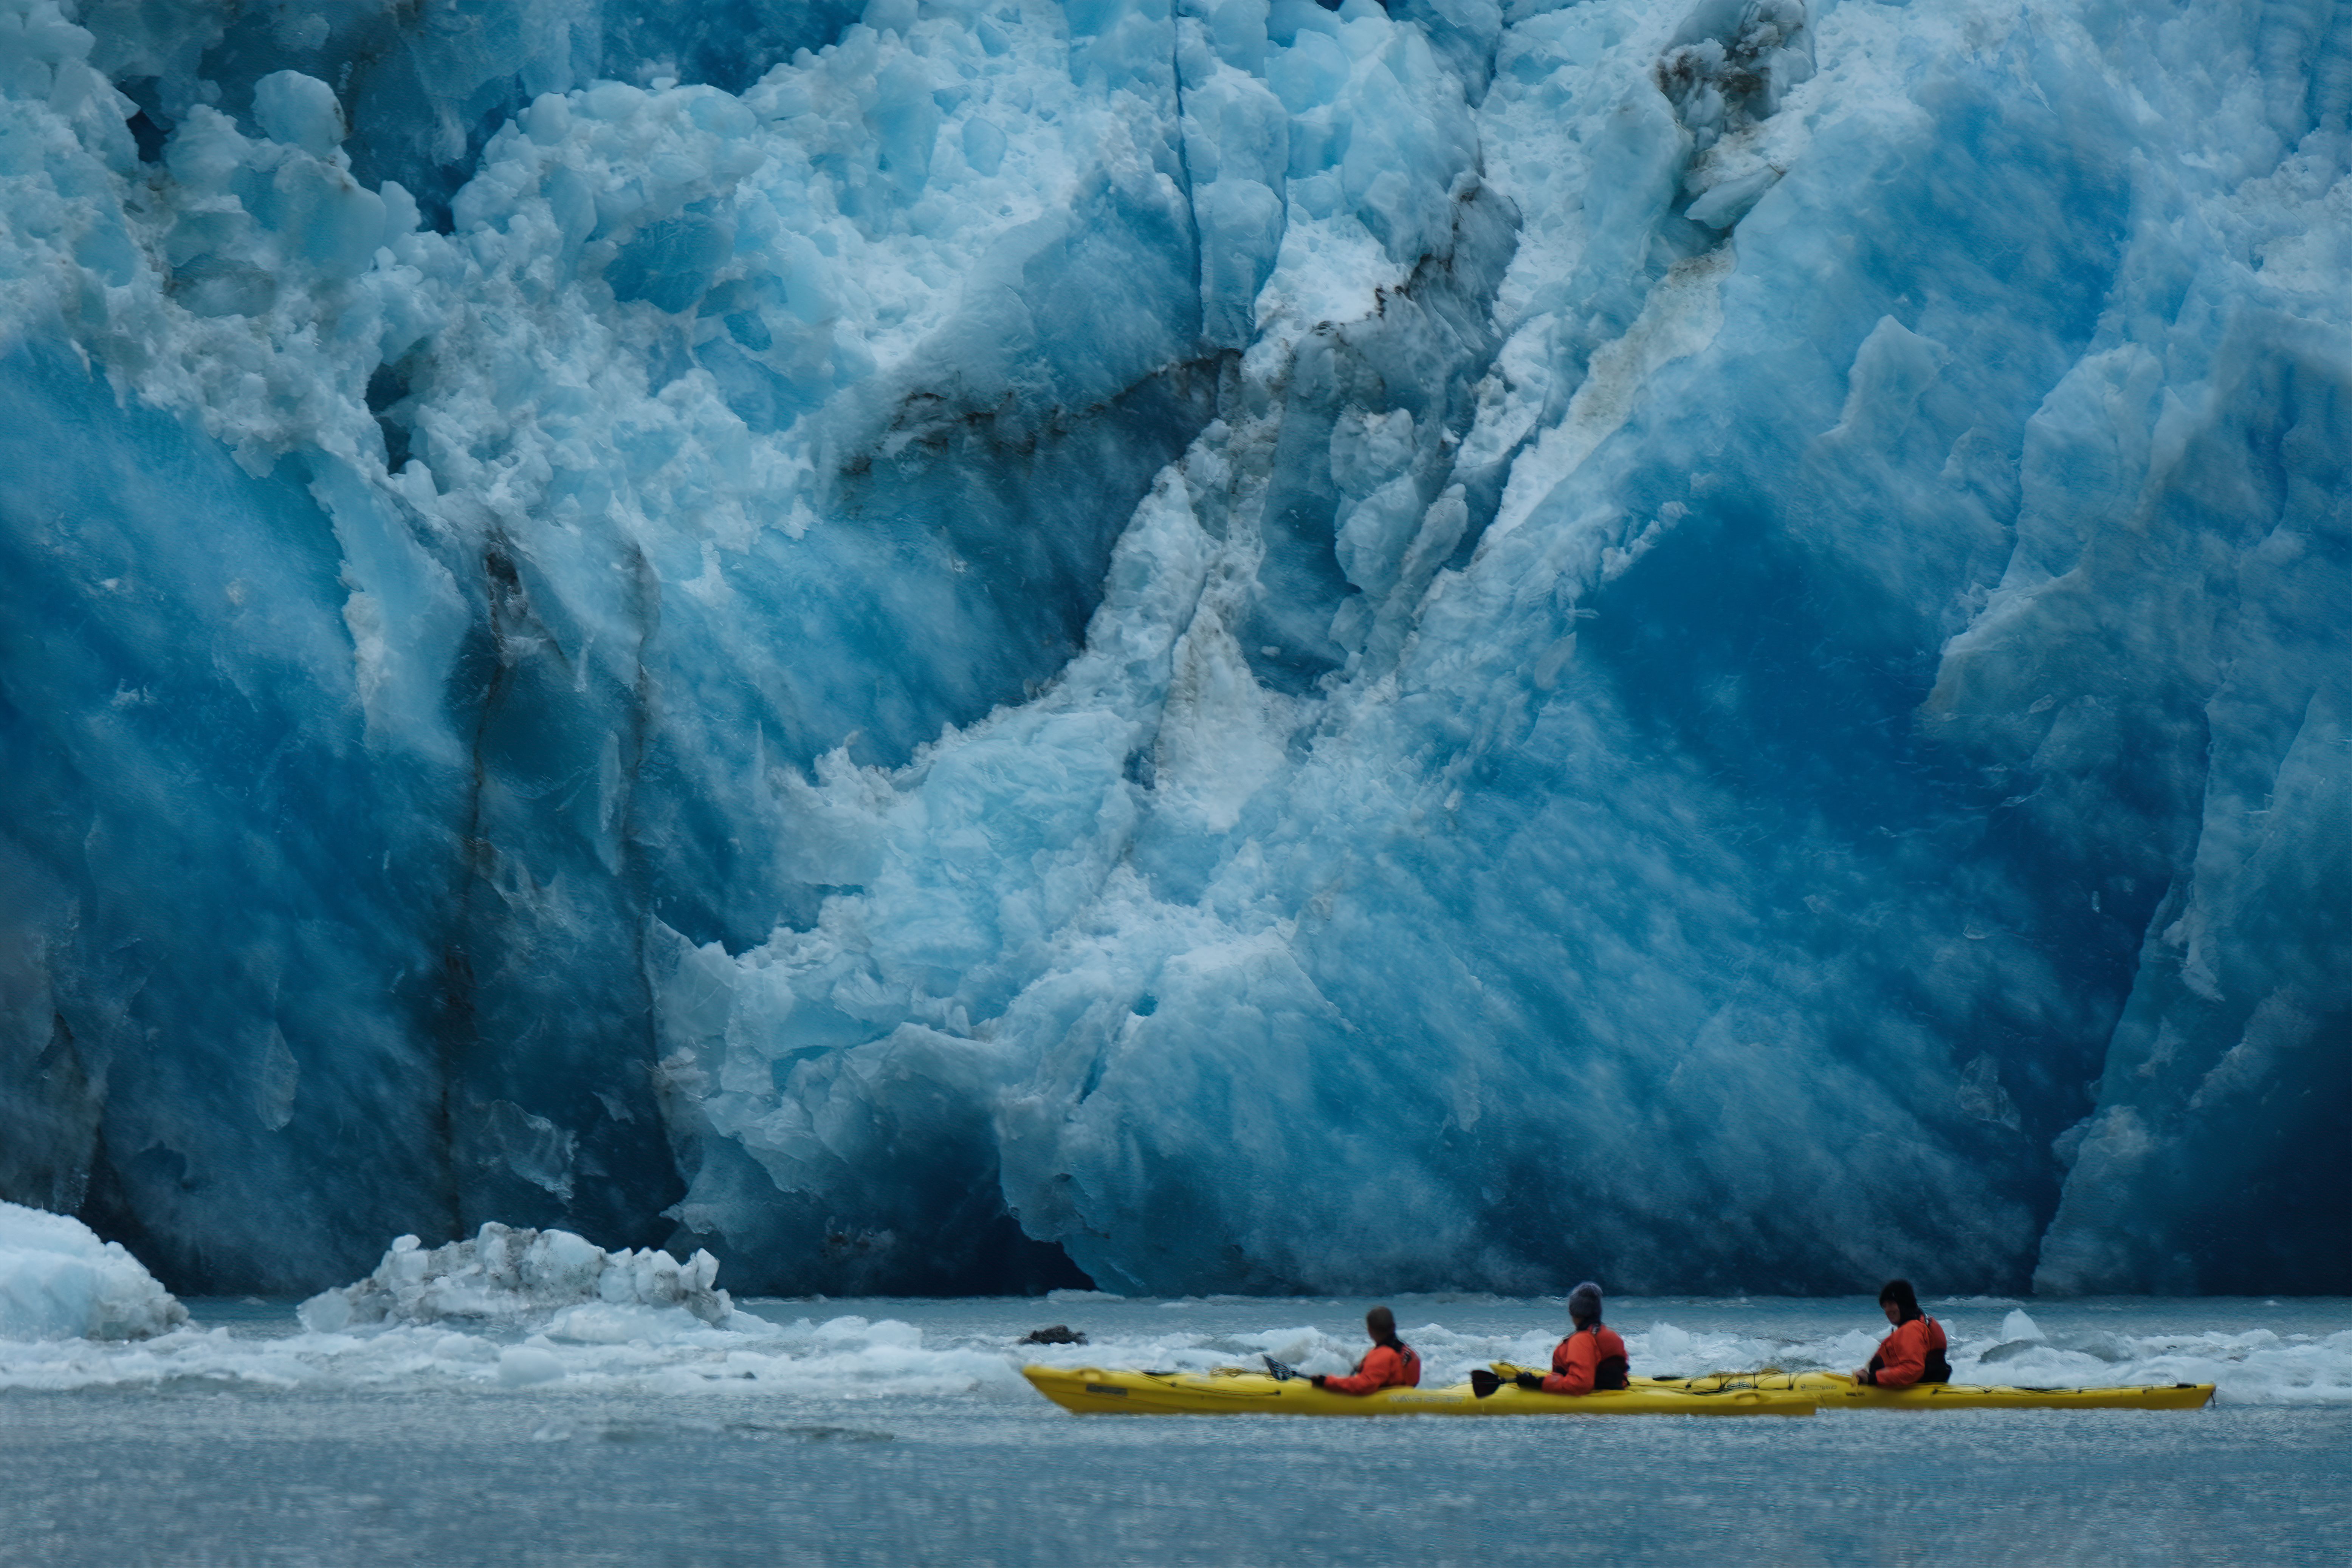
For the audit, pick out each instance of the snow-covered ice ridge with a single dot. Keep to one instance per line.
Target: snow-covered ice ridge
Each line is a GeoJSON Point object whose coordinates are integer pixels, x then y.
{"type": "Point", "coordinates": [1249, 646]}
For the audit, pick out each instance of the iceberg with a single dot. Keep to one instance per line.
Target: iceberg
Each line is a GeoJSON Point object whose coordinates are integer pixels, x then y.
{"type": "Point", "coordinates": [1182, 646]}
{"type": "Point", "coordinates": [508, 1276]}
{"type": "Point", "coordinates": [59, 1281]}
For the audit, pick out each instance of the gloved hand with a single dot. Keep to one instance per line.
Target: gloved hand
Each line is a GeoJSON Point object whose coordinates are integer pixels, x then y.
{"type": "Point", "coordinates": [1316, 1379]}
{"type": "Point", "coordinates": [1530, 1380]}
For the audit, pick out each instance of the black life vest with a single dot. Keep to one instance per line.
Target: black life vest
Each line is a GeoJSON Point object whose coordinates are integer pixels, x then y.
{"type": "Point", "coordinates": [1611, 1370]}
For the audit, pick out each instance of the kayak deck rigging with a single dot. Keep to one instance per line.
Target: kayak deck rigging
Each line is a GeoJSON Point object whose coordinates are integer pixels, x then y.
{"type": "Point", "coordinates": [1093, 1391]}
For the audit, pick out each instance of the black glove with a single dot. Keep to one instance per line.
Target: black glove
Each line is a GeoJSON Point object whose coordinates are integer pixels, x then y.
{"type": "Point", "coordinates": [1530, 1380]}
{"type": "Point", "coordinates": [1316, 1379]}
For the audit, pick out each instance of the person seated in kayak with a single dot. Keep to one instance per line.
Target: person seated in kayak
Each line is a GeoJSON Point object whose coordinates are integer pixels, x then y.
{"type": "Point", "coordinates": [1392, 1364]}
{"type": "Point", "coordinates": [1913, 1353]}
{"type": "Point", "coordinates": [1591, 1357]}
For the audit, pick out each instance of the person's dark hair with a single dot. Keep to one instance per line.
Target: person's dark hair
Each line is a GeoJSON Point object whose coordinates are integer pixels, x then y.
{"type": "Point", "coordinates": [1906, 1299]}
{"type": "Point", "coordinates": [1381, 1323]}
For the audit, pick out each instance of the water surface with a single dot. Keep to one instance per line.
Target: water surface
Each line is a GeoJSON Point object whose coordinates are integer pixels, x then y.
{"type": "Point", "coordinates": [897, 1431]}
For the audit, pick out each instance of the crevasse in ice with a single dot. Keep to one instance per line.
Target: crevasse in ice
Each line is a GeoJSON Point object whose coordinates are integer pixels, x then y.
{"type": "Point", "coordinates": [1245, 646]}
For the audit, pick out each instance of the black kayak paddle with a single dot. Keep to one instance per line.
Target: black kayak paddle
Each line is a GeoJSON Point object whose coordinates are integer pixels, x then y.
{"type": "Point", "coordinates": [1484, 1382]}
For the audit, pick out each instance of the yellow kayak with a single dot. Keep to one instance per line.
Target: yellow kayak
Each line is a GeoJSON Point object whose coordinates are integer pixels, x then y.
{"type": "Point", "coordinates": [1835, 1391]}
{"type": "Point", "coordinates": [1230, 1390]}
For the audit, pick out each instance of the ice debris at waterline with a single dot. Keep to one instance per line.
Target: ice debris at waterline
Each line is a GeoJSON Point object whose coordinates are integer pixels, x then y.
{"type": "Point", "coordinates": [959, 1350]}
{"type": "Point", "coordinates": [59, 1281]}
{"type": "Point", "coordinates": [509, 1275]}
{"type": "Point", "coordinates": [1221, 645]}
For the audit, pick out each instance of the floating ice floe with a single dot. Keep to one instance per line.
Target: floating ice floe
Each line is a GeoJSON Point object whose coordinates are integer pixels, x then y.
{"type": "Point", "coordinates": [59, 1281]}
{"type": "Point", "coordinates": [504, 1274]}
{"type": "Point", "coordinates": [967, 1351]}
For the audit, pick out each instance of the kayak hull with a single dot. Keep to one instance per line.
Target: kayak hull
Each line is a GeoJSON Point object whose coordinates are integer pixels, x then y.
{"type": "Point", "coordinates": [1091, 1391]}
{"type": "Point", "coordinates": [1833, 1392]}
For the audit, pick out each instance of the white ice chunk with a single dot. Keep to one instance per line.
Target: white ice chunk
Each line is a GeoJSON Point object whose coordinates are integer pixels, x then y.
{"type": "Point", "coordinates": [299, 111]}
{"type": "Point", "coordinates": [57, 1280]}
{"type": "Point", "coordinates": [509, 1275]}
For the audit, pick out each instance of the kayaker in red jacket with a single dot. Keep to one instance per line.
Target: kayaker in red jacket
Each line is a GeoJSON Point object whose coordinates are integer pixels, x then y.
{"type": "Point", "coordinates": [1392, 1363]}
{"type": "Point", "coordinates": [1591, 1357]}
{"type": "Point", "coordinates": [1913, 1353]}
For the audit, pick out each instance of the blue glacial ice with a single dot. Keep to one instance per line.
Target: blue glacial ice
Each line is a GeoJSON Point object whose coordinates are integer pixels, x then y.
{"type": "Point", "coordinates": [1212, 644]}
{"type": "Point", "coordinates": [59, 1281]}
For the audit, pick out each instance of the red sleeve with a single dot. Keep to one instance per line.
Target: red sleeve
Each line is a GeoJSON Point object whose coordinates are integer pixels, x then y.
{"type": "Point", "coordinates": [1903, 1354]}
{"type": "Point", "coordinates": [1573, 1365]}
{"type": "Point", "coordinates": [1380, 1369]}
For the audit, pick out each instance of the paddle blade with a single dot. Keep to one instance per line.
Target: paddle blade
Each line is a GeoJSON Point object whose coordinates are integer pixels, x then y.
{"type": "Point", "coordinates": [1484, 1382]}
{"type": "Point", "coordinates": [1283, 1372]}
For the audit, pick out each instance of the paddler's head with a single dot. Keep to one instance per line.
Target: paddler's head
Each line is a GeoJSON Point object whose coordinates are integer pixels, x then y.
{"type": "Point", "coordinates": [1898, 1301]}
{"type": "Point", "coordinates": [1380, 1324]}
{"type": "Point", "coordinates": [1584, 1305]}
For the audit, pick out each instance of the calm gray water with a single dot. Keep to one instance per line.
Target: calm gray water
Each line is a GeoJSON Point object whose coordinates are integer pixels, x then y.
{"type": "Point", "coordinates": [894, 1432]}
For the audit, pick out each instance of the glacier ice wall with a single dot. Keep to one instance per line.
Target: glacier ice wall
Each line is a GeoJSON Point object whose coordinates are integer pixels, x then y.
{"type": "Point", "coordinates": [1226, 645]}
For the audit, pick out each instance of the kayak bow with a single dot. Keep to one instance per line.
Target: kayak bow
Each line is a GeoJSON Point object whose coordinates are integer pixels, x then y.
{"type": "Point", "coordinates": [1834, 1391]}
